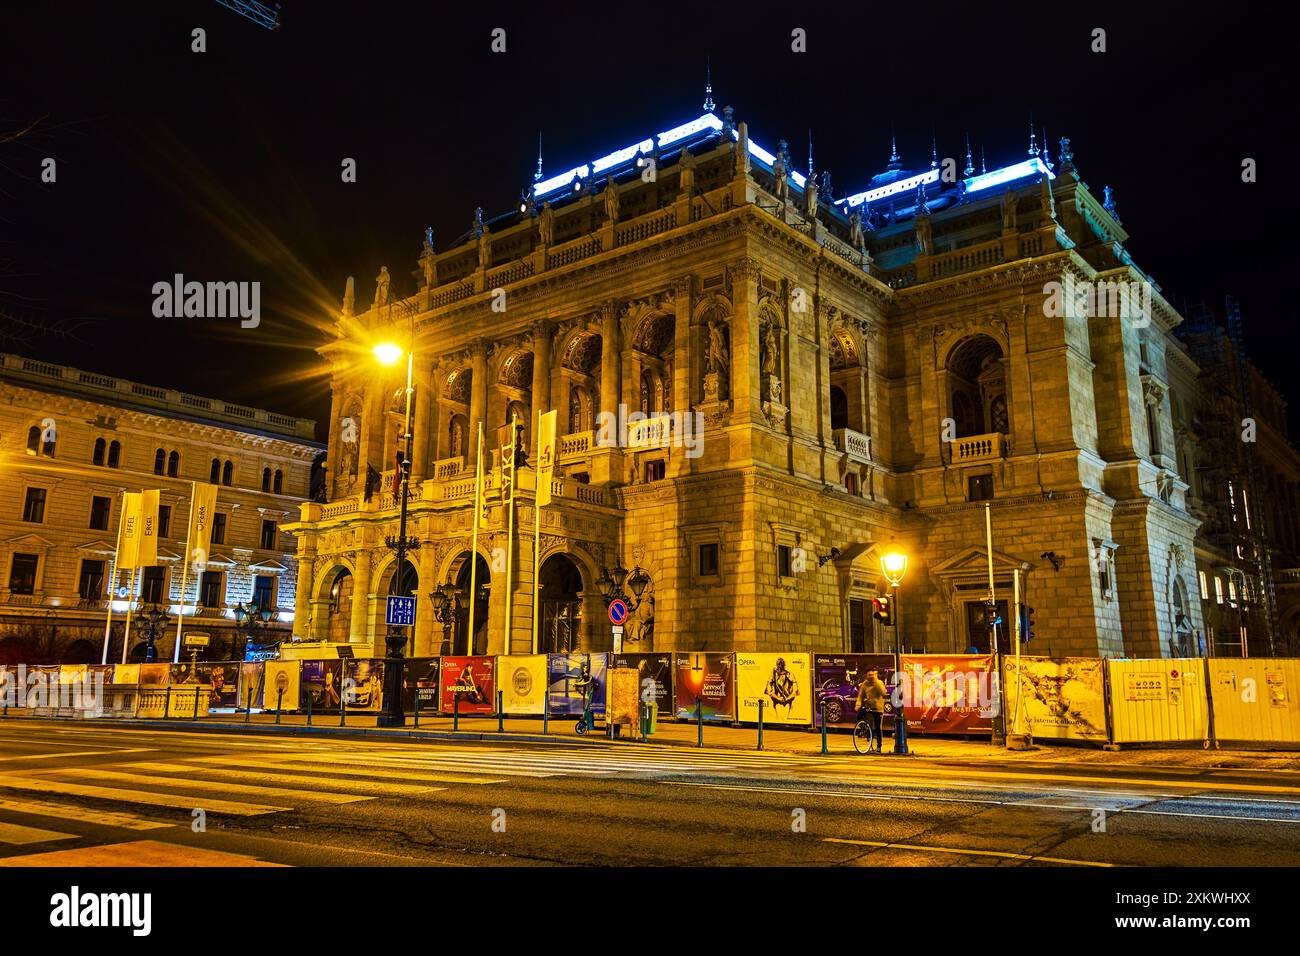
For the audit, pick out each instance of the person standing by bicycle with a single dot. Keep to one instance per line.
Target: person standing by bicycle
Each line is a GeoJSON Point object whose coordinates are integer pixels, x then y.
{"type": "Point", "coordinates": [871, 705]}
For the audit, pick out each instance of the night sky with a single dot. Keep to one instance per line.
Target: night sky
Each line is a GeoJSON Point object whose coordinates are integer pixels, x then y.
{"type": "Point", "coordinates": [225, 165]}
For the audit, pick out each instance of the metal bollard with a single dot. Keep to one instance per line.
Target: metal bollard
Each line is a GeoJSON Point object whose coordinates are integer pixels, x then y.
{"type": "Point", "coordinates": [760, 724]}
{"type": "Point", "coordinates": [546, 717]}
{"type": "Point", "coordinates": [248, 711]}
{"type": "Point", "coordinates": [417, 705]}
{"type": "Point", "coordinates": [699, 723]}
{"type": "Point", "coordinates": [343, 709]}
{"type": "Point", "coordinates": [279, 699]}
{"type": "Point", "coordinates": [822, 708]}
{"type": "Point", "coordinates": [501, 717]}
{"type": "Point", "coordinates": [167, 702]}
{"type": "Point", "coordinates": [455, 711]}
{"type": "Point", "coordinates": [196, 704]}
{"type": "Point", "coordinates": [308, 708]}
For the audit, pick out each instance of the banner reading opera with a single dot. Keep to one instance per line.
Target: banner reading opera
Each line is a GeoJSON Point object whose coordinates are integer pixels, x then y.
{"type": "Point", "coordinates": [523, 683]}
{"type": "Point", "coordinates": [471, 681]}
{"type": "Point", "coordinates": [783, 682]}
{"type": "Point", "coordinates": [949, 693]}
{"type": "Point", "coordinates": [711, 678]}
{"type": "Point", "coordinates": [1061, 699]}
{"type": "Point", "coordinates": [657, 670]}
{"type": "Point", "coordinates": [838, 677]}
{"type": "Point", "coordinates": [569, 677]}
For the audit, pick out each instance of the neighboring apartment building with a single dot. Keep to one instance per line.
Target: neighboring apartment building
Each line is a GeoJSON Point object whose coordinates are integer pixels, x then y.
{"type": "Point", "coordinates": [868, 372]}
{"type": "Point", "coordinates": [73, 441]}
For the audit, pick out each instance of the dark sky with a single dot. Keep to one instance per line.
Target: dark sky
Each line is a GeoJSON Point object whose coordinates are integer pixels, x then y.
{"type": "Point", "coordinates": [225, 165]}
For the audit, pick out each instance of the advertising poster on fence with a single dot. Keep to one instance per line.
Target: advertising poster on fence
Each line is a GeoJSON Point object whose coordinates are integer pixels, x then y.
{"type": "Point", "coordinates": [282, 685]}
{"type": "Point", "coordinates": [100, 672]}
{"type": "Point", "coordinates": [250, 683]}
{"type": "Point", "coordinates": [322, 683]}
{"type": "Point", "coordinates": [72, 673]}
{"type": "Point", "coordinates": [569, 677]}
{"type": "Point", "coordinates": [624, 697]}
{"type": "Point", "coordinates": [1060, 699]}
{"type": "Point", "coordinates": [420, 679]}
{"type": "Point", "coordinates": [186, 673]}
{"type": "Point", "coordinates": [155, 675]}
{"type": "Point", "coordinates": [363, 685]}
{"type": "Point", "coordinates": [523, 683]}
{"type": "Point", "coordinates": [711, 678]}
{"type": "Point", "coordinates": [783, 682]}
{"type": "Point", "coordinates": [470, 680]}
{"type": "Point", "coordinates": [126, 673]}
{"type": "Point", "coordinates": [658, 670]}
{"type": "Point", "coordinates": [949, 693]}
{"type": "Point", "coordinates": [223, 676]}
{"type": "Point", "coordinates": [837, 678]}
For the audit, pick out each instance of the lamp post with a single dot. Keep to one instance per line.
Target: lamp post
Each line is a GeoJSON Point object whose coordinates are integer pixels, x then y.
{"type": "Point", "coordinates": [612, 584]}
{"type": "Point", "coordinates": [151, 619]}
{"type": "Point", "coordinates": [894, 566]}
{"type": "Point", "coordinates": [446, 611]}
{"type": "Point", "coordinates": [391, 714]}
{"type": "Point", "coordinates": [251, 618]}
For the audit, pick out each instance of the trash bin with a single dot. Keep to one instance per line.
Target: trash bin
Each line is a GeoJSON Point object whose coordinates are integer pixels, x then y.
{"type": "Point", "coordinates": [649, 718]}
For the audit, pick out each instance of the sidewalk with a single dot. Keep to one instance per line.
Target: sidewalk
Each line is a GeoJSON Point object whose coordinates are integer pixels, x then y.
{"type": "Point", "coordinates": [805, 743]}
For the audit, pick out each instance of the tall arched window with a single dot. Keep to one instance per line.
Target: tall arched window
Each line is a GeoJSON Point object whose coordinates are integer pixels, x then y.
{"type": "Point", "coordinates": [173, 464]}
{"type": "Point", "coordinates": [214, 476]}
{"type": "Point", "coordinates": [100, 446]}
{"type": "Point", "coordinates": [34, 440]}
{"type": "Point", "coordinates": [266, 479]}
{"type": "Point", "coordinates": [159, 461]}
{"type": "Point", "coordinates": [114, 454]}
{"type": "Point", "coordinates": [227, 473]}
{"type": "Point", "coordinates": [277, 485]}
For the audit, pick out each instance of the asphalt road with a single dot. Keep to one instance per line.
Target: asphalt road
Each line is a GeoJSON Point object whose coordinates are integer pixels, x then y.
{"type": "Point", "coordinates": [77, 795]}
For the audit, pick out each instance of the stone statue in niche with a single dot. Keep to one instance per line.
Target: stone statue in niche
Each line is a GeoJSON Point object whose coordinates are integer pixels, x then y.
{"type": "Point", "coordinates": [718, 359]}
{"type": "Point", "coordinates": [382, 285]}
{"type": "Point", "coordinates": [611, 199]}
{"type": "Point", "coordinates": [770, 358]}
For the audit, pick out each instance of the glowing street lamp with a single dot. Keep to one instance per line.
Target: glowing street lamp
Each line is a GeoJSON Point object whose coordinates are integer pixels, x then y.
{"type": "Point", "coordinates": [894, 565]}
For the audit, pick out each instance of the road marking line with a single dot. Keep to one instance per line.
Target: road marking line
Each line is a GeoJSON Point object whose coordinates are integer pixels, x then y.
{"type": "Point", "coordinates": [222, 785]}
{"type": "Point", "coordinates": [377, 784]}
{"type": "Point", "coordinates": [454, 765]}
{"type": "Point", "coordinates": [82, 753]}
{"type": "Point", "coordinates": [958, 851]}
{"type": "Point", "coordinates": [16, 834]}
{"type": "Point", "coordinates": [126, 821]}
{"type": "Point", "coordinates": [45, 785]}
{"type": "Point", "coordinates": [384, 774]}
{"type": "Point", "coordinates": [151, 853]}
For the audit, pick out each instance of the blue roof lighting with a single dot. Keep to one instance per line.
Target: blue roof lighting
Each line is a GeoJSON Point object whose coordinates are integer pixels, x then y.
{"type": "Point", "coordinates": [893, 189]}
{"type": "Point", "coordinates": [1008, 174]}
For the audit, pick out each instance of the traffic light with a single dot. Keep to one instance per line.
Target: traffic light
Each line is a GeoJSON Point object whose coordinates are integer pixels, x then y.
{"type": "Point", "coordinates": [884, 611]}
{"type": "Point", "coordinates": [1026, 623]}
{"type": "Point", "coordinates": [991, 616]}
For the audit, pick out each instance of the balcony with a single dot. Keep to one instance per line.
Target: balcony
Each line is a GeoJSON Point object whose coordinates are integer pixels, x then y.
{"type": "Point", "coordinates": [577, 445]}
{"type": "Point", "coordinates": [977, 448]}
{"type": "Point", "coordinates": [854, 444]}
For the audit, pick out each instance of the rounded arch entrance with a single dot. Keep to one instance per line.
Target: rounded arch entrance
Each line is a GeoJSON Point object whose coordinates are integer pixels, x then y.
{"type": "Point", "coordinates": [560, 585]}
{"type": "Point", "coordinates": [456, 636]}
{"type": "Point", "coordinates": [977, 387]}
{"type": "Point", "coordinates": [336, 607]}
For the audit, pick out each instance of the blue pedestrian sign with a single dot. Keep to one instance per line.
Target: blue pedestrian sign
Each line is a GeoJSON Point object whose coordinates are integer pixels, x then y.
{"type": "Point", "coordinates": [400, 611]}
{"type": "Point", "coordinates": [617, 611]}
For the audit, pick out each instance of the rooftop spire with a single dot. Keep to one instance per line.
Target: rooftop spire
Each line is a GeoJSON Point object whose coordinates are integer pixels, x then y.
{"type": "Point", "coordinates": [810, 155]}
{"type": "Point", "coordinates": [934, 149]}
{"type": "Point", "coordinates": [970, 165]}
{"type": "Point", "coordinates": [1047, 157]}
{"type": "Point", "coordinates": [708, 85]}
{"type": "Point", "coordinates": [1033, 144]}
{"type": "Point", "coordinates": [537, 176]}
{"type": "Point", "coordinates": [983, 168]}
{"type": "Point", "coordinates": [894, 160]}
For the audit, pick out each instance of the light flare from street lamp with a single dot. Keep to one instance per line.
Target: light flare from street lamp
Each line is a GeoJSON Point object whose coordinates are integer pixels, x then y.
{"type": "Point", "coordinates": [388, 353]}
{"type": "Point", "coordinates": [894, 564]}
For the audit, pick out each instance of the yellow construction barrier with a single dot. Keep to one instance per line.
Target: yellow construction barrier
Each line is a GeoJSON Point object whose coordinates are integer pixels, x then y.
{"type": "Point", "coordinates": [1153, 701]}
{"type": "Point", "coordinates": [1256, 699]}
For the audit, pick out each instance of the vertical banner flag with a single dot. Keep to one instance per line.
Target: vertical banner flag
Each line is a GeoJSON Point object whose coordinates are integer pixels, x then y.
{"type": "Point", "coordinates": [128, 551]}
{"type": "Point", "coordinates": [199, 536]}
{"type": "Point", "coordinates": [546, 452]}
{"type": "Point", "coordinates": [147, 556]}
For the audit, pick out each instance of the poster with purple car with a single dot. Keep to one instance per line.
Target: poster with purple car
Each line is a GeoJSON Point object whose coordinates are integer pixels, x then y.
{"type": "Point", "coordinates": [837, 678]}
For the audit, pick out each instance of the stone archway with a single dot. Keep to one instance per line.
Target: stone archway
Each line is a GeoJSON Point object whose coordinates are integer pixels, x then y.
{"type": "Point", "coordinates": [561, 586]}
{"type": "Point", "coordinates": [458, 635]}
{"type": "Point", "coordinates": [977, 386]}
{"type": "Point", "coordinates": [334, 606]}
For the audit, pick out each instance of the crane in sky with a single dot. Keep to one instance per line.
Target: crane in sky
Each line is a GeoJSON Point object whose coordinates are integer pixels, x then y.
{"type": "Point", "coordinates": [259, 13]}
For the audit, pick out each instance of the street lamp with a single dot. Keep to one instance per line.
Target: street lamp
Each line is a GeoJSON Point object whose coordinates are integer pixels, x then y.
{"type": "Point", "coordinates": [152, 618]}
{"type": "Point", "coordinates": [446, 611]}
{"type": "Point", "coordinates": [894, 566]}
{"type": "Point", "coordinates": [251, 618]}
{"type": "Point", "coordinates": [391, 714]}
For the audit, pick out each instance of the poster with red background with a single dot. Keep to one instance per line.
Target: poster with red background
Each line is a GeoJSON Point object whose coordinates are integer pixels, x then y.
{"type": "Point", "coordinates": [949, 693]}
{"type": "Point", "coordinates": [472, 680]}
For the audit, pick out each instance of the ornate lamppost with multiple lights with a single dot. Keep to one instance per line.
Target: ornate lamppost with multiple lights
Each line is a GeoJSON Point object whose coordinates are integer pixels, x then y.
{"type": "Point", "coordinates": [252, 619]}
{"type": "Point", "coordinates": [152, 618]}
{"type": "Point", "coordinates": [391, 714]}
{"type": "Point", "coordinates": [447, 608]}
{"type": "Point", "coordinates": [612, 583]}
{"type": "Point", "coordinates": [894, 566]}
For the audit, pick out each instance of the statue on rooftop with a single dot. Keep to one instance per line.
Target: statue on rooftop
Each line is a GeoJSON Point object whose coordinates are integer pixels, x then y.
{"type": "Point", "coordinates": [382, 285]}
{"type": "Point", "coordinates": [1009, 211]}
{"type": "Point", "coordinates": [428, 241]}
{"type": "Point", "coordinates": [780, 170]}
{"type": "Point", "coordinates": [476, 224]}
{"type": "Point", "coordinates": [611, 199]}
{"type": "Point", "coordinates": [856, 236]}
{"type": "Point", "coordinates": [546, 225]}
{"type": "Point", "coordinates": [810, 197]}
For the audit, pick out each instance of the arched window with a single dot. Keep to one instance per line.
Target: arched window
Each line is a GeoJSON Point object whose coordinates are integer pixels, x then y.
{"type": "Point", "coordinates": [266, 479]}
{"type": "Point", "coordinates": [114, 454]}
{"type": "Point", "coordinates": [34, 440]}
{"type": "Point", "coordinates": [277, 485]}
{"type": "Point", "coordinates": [173, 464]}
{"type": "Point", "coordinates": [214, 476]}
{"type": "Point", "coordinates": [839, 408]}
{"type": "Point", "coordinates": [227, 473]}
{"type": "Point", "coordinates": [98, 457]}
{"type": "Point", "coordinates": [159, 460]}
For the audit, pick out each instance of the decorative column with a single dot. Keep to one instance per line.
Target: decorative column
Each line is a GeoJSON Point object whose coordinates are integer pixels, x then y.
{"type": "Point", "coordinates": [746, 397]}
{"type": "Point", "coordinates": [542, 332]}
{"type": "Point", "coordinates": [478, 394]}
{"type": "Point", "coordinates": [358, 631]}
{"type": "Point", "coordinates": [334, 450]}
{"type": "Point", "coordinates": [302, 594]}
{"type": "Point", "coordinates": [422, 425]}
{"type": "Point", "coordinates": [611, 349]}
